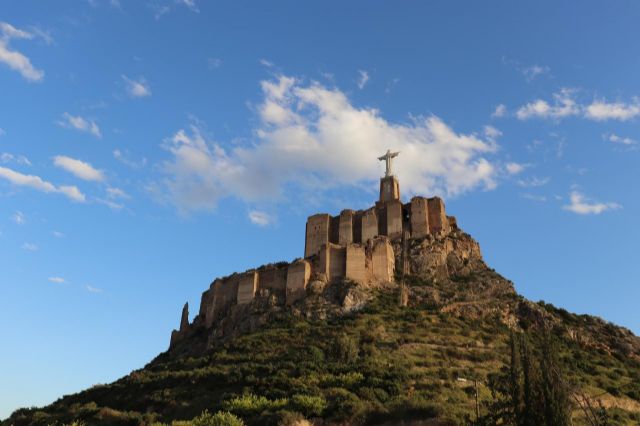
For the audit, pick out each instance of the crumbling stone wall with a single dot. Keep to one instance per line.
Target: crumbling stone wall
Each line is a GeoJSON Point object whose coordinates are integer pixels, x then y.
{"type": "Point", "coordinates": [273, 278]}
{"type": "Point", "coordinates": [382, 260]}
{"type": "Point", "coordinates": [438, 221]}
{"type": "Point", "coordinates": [247, 287]}
{"type": "Point", "coordinates": [369, 225]}
{"type": "Point", "coordinates": [355, 263]}
{"type": "Point", "coordinates": [345, 227]}
{"type": "Point", "coordinates": [298, 275]}
{"type": "Point", "coordinates": [394, 220]}
{"type": "Point", "coordinates": [419, 217]}
{"type": "Point", "coordinates": [317, 233]}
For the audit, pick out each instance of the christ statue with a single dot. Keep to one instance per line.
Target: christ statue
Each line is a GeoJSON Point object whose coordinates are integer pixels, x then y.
{"type": "Point", "coordinates": [388, 158]}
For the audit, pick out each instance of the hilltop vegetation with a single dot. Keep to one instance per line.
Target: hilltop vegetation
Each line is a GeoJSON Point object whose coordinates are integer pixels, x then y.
{"type": "Point", "coordinates": [380, 365]}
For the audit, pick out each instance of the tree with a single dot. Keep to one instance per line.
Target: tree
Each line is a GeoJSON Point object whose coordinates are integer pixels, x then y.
{"type": "Point", "coordinates": [532, 390]}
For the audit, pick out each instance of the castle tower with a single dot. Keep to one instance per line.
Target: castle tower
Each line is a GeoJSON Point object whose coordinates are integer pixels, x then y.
{"type": "Point", "coordinates": [389, 186]}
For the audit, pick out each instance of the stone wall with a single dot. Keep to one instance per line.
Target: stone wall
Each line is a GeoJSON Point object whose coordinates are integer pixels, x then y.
{"type": "Point", "coordinates": [438, 221]}
{"type": "Point", "coordinates": [273, 278]}
{"type": "Point", "coordinates": [394, 220]}
{"type": "Point", "coordinates": [366, 264]}
{"type": "Point", "coordinates": [317, 233]}
{"type": "Point", "coordinates": [419, 217]}
{"type": "Point", "coordinates": [369, 225]}
{"type": "Point", "coordinates": [355, 263]}
{"type": "Point", "coordinates": [247, 287]}
{"type": "Point", "coordinates": [382, 260]}
{"type": "Point", "coordinates": [298, 275]}
{"type": "Point", "coordinates": [345, 227]}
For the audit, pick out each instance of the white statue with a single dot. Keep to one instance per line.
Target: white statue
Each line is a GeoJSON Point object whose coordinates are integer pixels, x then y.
{"type": "Point", "coordinates": [387, 158]}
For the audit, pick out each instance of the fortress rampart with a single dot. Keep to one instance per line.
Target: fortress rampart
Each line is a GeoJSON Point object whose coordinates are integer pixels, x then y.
{"type": "Point", "coordinates": [354, 245]}
{"type": "Point", "coordinates": [417, 219]}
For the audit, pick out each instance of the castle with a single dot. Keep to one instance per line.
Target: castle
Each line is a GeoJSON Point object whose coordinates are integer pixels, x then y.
{"type": "Point", "coordinates": [354, 245]}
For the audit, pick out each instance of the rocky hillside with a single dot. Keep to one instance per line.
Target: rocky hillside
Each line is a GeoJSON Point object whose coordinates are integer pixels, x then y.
{"type": "Point", "coordinates": [409, 350]}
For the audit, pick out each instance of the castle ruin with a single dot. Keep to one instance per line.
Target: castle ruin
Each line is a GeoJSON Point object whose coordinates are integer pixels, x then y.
{"type": "Point", "coordinates": [354, 245]}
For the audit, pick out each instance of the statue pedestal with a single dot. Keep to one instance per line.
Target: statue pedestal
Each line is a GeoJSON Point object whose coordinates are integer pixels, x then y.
{"type": "Point", "coordinates": [389, 189]}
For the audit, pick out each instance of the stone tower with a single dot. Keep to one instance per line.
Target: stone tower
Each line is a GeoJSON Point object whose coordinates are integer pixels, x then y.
{"type": "Point", "coordinates": [389, 189]}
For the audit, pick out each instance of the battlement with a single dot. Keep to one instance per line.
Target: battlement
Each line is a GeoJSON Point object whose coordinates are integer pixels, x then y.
{"type": "Point", "coordinates": [417, 219]}
{"type": "Point", "coordinates": [286, 283]}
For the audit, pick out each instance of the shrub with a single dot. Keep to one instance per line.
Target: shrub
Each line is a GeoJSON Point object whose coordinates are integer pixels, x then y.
{"type": "Point", "coordinates": [221, 418]}
{"type": "Point", "coordinates": [251, 404]}
{"type": "Point", "coordinates": [346, 349]}
{"type": "Point", "coordinates": [310, 405]}
{"type": "Point", "coordinates": [290, 418]}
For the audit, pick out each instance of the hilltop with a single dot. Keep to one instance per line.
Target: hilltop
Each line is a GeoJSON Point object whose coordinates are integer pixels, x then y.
{"type": "Point", "coordinates": [391, 317]}
{"type": "Point", "coordinates": [344, 355]}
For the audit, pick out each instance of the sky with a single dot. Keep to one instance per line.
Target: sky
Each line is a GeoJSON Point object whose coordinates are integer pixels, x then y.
{"type": "Point", "coordinates": [150, 146]}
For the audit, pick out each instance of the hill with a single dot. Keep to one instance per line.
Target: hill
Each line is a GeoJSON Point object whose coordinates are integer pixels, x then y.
{"type": "Point", "coordinates": [413, 350]}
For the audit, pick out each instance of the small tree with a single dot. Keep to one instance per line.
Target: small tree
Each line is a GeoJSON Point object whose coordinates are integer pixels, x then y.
{"type": "Point", "coordinates": [531, 391]}
{"type": "Point", "coordinates": [221, 418]}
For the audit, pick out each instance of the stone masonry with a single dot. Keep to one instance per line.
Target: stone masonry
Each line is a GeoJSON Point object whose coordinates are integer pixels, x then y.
{"type": "Point", "coordinates": [354, 245]}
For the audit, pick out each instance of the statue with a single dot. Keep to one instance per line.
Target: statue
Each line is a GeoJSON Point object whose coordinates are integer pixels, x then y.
{"type": "Point", "coordinates": [387, 158]}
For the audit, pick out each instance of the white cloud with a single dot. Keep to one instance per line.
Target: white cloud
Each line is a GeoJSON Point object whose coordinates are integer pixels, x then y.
{"type": "Point", "coordinates": [78, 168]}
{"type": "Point", "coordinates": [30, 247]}
{"type": "Point", "coordinates": [57, 280]}
{"type": "Point", "coordinates": [39, 184]}
{"type": "Point", "coordinates": [534, 182]}
{"type": "Point", "coordinates": [491, 132]}
{"type": "Point", "coordinates": [18, 218]}
{"type": "Point", "coordinates": [91, 289]}
{"type": "Point", "coordinates": [14, 59]}
{"type": "Point", "coordinates": [611, 137]}
{"type": "Point", "coordinates": [191, 4]}
{"type": "Point", "coordinates": [5, 157]}
{"type": "Point", "coordinates": [515, 168]}
{"type": "Point", "coordinates": [111, 204]}
{"type": "Point", "coordinates": [58, 234]}
{"type": "Point", "coordinates": [564, 106]}
{"type": "Point", "coordinates": [363, 79]}
{"type": "Point", "coordinates": [581, 205]}
{"type": "Point", "coordinates": [137, 88]}
{"type": "Point", "coordinates": [266, 63]}
{"type": "Point", "coordinates": [80, 123]}
{"type": "Point", "coordinates": [500, 111]}
{"type": "Point", "coordinates": [621, 111]}
{"type": "Point", "coordinates": [117, 193]}
{"type": "Point", "coordinates": [260, 218]}
{"type": "Point", "coordinates": [314, 138]}
{"type": "Point", "coordinates": [533, 71]}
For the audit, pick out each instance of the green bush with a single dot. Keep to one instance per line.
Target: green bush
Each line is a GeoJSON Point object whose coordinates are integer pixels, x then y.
{"type": "Point", "coordinates": [346, 349]}
{"type": "Point", "coordinates": [251, 404]}
{"type": "Point", "coordinates": [310, 405]}
{"type": "Point", "coordinates": [221, 418]}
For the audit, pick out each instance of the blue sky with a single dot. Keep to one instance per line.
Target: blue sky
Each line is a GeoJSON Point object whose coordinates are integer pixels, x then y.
{"type": "Point", "coordinates": [148, 147]}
